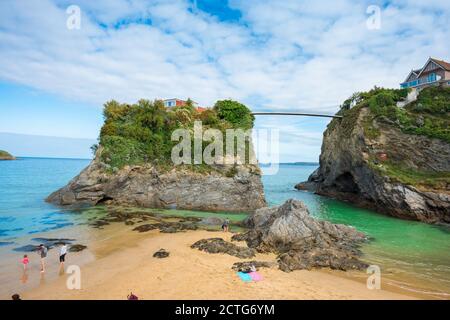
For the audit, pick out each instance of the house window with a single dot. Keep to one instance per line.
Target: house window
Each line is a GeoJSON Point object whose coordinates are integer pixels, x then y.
{"type": "Point", "coordinates": [432, 77]}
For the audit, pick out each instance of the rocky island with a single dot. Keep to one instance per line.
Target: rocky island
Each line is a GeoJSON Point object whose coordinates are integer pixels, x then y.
{"type": "Point", "coordinates": [133, 166]}
{"type": "Point", "coordinates": [389, 153]}
{"type": "Point", "coordinates": [6, 156]}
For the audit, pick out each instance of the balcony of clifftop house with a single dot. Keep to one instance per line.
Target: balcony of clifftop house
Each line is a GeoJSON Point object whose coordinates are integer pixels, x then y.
{"type": "Point", "coordinates": [434, 72]}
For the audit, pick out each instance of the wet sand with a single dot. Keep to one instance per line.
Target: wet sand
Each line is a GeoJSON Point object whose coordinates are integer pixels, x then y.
{"type": "Point", "coordinates": [119, 261]}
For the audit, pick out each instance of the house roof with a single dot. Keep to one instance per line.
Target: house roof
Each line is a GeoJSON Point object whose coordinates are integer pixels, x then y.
{"type": "Point", "coordinates": [173, 99]}
{"type": "Point", "coordinates": [200, 109]}
{"type": "Point", "coordinates": [440, 63]}
{"type": "Point", "coordinates": [178, 99]}
{"type": "Point", "coordinates": [415, 72]}
{"type": "Point", "coordinates": [443, 64]}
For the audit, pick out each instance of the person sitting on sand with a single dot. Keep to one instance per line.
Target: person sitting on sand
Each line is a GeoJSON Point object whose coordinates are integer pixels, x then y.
{"type": "Point", "coordinates": [25, 262]}
{"type": "Point", "coordinates": [43, 252]}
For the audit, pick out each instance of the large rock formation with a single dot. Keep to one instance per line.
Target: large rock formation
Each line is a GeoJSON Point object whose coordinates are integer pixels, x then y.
{"type": "Point", "coordinates": [178, 188]}
{"type": "Point", "coordinates": [359, 166]}
{"type": "Point", "coordinates": [301, 241]}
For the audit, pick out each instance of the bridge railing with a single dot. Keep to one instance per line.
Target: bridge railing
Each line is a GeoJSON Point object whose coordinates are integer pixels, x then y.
{"type": "Point", "coordinates": [296, 114]}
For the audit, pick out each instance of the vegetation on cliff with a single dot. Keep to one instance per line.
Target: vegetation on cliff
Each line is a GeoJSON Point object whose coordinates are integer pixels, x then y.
{"type": "Point", "coordinates": [6, 156]}
{"type": "Point", "coordinates": [141, 132]}
{"type": "Point", "coordinates": [428, 116]}
{"type": "Point", "coordinates": [418, 178]}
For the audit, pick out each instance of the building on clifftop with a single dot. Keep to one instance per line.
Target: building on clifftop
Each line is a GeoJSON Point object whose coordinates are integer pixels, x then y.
{"type": "Point", "coordinates": [434, 72]}
{"type": "Point", "coordinates": [175, 102]}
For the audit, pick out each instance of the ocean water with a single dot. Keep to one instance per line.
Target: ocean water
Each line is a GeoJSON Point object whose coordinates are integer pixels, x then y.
{"type": "Point", "coordinates": [406, 251]}
{"type": "Point", "coordinates": [24, 184]}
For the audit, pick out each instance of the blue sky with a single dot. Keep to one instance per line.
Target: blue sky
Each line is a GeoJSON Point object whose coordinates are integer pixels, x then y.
{"type": "Point", "coordinates": [272, 55]}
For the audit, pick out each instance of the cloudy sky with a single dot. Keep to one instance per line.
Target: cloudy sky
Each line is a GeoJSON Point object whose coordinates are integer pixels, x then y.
{"type": "Point", "coordinates": [272, 55]}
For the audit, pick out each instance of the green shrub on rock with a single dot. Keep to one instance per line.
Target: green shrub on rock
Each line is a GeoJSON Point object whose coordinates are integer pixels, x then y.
{"type": "Point", "coordinates": [235, 113]}
{"type": "Point", "coordinates": [141, 132]}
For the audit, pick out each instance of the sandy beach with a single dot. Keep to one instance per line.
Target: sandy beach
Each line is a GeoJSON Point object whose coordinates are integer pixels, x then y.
{"type": "Point", "coordinates": [122, 262]}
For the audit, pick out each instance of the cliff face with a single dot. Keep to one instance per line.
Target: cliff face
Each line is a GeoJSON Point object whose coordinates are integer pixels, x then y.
{"type": "Point", "coordinates": [178, 188]}
{"type": "Point", "coordinates": [371, 162]}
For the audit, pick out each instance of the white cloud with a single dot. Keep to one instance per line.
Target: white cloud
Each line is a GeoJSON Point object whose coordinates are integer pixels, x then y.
{"type": "Point", "coordinates": [291, 55]}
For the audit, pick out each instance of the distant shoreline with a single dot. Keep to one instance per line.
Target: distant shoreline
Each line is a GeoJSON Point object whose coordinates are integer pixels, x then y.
{"type": "Point", "coordinates": [262, 164]}
{"type": "Point", "coordinates": [292, 163]}
{"type": "Point", "coordinates": [51, 158]}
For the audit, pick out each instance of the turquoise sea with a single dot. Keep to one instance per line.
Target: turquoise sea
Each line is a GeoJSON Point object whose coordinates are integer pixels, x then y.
{"type": "Point", "coordinates": [410, 251]}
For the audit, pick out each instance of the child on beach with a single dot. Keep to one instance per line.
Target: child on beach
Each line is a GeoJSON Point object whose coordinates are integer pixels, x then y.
{"type": "Point", "coordinates": [25, 262]}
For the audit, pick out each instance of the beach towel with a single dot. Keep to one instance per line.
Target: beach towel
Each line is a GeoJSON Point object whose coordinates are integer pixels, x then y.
{"type": "Point", "coordinates": [255, 276]}
{"type": "Point", "coordinates": [244, 276]}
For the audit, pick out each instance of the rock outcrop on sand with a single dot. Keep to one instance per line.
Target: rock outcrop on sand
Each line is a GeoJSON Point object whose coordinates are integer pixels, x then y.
{"type": "Point", "coordinates": [248, 266]}
{"type": "Point", "coordinates": [161, 253]}
{"type": "Point", "coordinates": [6, 155]}
{"type": "Point", "coordinates": [359, 166]}
{"type": "Point", "coordinates": [167, 227]}
{"type": "Point", "coordinates": [77, 248]}
{"type": "Point", "coordinates": [212, 221]}
{"type": "Point", "coordinates": [218, 245]}
{"type": "Point", "coordinates": [301, 241]}
{"type": "Point", "coordinates": [178, 188]}
{"type": "Point", "coordinates": [51, 243]}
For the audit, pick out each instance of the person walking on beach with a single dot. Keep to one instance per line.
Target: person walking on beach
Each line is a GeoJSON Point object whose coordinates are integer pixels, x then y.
{"type": "Point", "coordinates": [43, 252]}
{"type": "Point", "coordinates": [25, 262]}
{"type": "Point", "coordinates": [225, 225]}
{"type": "Point", "coordinates": [62, 255]}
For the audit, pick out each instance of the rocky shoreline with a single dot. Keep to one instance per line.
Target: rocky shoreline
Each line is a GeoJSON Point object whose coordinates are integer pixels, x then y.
{"type": "Point", "coordinates": [213, 276]}
{"type": "Point", "coordinates": [146, 186]}
{"type": "Point", "coordinates": [299, 240]}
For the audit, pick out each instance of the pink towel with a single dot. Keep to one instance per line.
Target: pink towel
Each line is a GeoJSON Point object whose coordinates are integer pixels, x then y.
{"type": "Point", "coordinates": [255, 276]}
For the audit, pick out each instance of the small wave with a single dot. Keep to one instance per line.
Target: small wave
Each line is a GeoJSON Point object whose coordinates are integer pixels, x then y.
{"type": "Point", "coordinates": [5, 243]}
{"type": "Point", "coordinates": [404, 286]}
